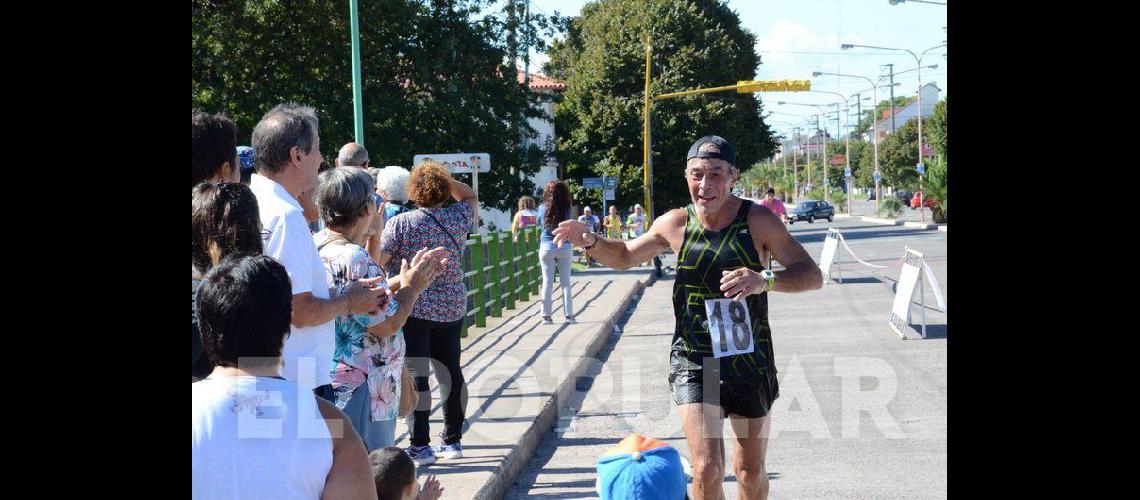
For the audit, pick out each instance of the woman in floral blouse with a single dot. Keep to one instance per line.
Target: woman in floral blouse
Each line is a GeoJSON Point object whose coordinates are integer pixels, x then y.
{"type": "Point", "coordinates": [370, 349]}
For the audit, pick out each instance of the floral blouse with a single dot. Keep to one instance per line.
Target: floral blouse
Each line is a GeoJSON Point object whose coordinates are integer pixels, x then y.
{"type": "Point", "coordinates": [360, 358]}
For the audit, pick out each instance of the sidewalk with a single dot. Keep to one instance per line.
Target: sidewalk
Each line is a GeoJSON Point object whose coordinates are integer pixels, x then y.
{"type": "Point", "coordinates": [519, 372]}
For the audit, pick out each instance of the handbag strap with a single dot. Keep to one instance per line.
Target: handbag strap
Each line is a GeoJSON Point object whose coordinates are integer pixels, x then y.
{"type": "Point", "coordinates": [458, 249]}
{"type": "Point", "coordinates": [339, 240]}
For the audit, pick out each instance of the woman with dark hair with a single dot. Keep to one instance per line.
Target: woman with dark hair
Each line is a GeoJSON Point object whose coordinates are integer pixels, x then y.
{"type": "Point", "coordinates": [224, 220]}
{"type": "Point", "coordinates": [368, 359]}
{"type": "Point", "coordinates": [436, 321]}
{"type": "Point", "coordinates": [555, 209]}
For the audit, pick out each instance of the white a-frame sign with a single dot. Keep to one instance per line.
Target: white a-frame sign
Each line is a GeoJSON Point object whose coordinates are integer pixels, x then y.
{"type": "Point", "coordinates": [913, 270]}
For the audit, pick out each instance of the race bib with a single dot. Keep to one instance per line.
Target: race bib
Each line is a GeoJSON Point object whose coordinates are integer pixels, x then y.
{"type": "Point", "coordinates": [729, 327]}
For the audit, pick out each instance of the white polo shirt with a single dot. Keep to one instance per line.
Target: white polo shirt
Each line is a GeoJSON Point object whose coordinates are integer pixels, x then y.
{"type": "Point", "coordinates": [291, 244]}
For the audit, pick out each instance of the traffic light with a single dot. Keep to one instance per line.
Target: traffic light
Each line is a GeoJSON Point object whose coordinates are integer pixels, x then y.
{"type": "Point", "coordinates": [746, 86]}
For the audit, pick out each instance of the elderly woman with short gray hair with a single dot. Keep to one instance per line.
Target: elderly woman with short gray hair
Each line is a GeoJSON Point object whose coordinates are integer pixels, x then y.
{"type": "Point", "coordinates": [392, 184]}
{"type": "Point", "coordinates": [368, 359]}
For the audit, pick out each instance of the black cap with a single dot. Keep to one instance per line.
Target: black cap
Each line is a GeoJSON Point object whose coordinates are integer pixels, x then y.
{"type": "Point", "coordinates": [712, 146]}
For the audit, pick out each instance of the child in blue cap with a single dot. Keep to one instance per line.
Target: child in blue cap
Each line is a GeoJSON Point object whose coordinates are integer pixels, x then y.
{"type": "Point", "coordinates": [641, 468]}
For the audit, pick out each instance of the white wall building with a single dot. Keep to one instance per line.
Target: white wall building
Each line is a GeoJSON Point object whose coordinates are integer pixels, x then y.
{"type": "Point", "coordinates": [500, 220]}
{"type": "Point", "coordinates": [929, 99]}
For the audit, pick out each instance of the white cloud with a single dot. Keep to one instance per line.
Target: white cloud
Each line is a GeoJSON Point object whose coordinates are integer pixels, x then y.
{"type": "Point", "coordinates": [785, 51]}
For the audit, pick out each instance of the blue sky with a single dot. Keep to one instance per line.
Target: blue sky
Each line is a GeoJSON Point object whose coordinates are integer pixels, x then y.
{"type": "Point", "coordinates": [795, 38]}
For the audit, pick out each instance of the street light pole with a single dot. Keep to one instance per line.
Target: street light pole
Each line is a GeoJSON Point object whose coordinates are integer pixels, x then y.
{"type": "Point", "coordinates": [846, 148]}
{"type": "Point", "coordinates": [918, 62]}
{"type": "Point", "coordinates": [896, 2]}
{"type": "Point", "coordinates": [795, 166]}
{"type": "Point", "coordinates": [818, 120]}
{"type": "Point", "coordinates": [357, 107]}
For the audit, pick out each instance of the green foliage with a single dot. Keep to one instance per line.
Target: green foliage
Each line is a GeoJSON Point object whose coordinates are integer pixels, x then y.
{"type": "Point", "coordinates": [696, 44]}
{"type": "Point", "coordinates": [935, 129]}
{"type": "Point", "coordinates": [891, 206]}
{"type": "Point", "coordinates": [839, 199]}
{"type": "Point", "coordinates": [898, 156]}
{"type": "Point", "coordinates": [432, 80]}
{"type": "Point", "coordinates": [934, 187]}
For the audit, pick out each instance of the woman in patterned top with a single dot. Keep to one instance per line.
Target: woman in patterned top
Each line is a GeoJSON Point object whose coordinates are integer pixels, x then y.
{"type": "Point", "coordinates": [369, 355]}
{"type": "Point", "coordinates": [437, 319]}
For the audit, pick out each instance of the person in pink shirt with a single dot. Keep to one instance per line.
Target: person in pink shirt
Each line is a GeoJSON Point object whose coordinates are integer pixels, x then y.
{"type": "Point", "coordinates": [774, 204]}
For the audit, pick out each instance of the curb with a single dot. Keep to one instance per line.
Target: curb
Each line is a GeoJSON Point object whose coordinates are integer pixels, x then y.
{"type": "Point", "coordinates": [843, 216]}
{"type": "Point", "coordinates": [888, 222]}
{"type": "Point", "coordinates": [942, 228]}
{"type": "Point", "coordinates": [921, 225]}
{"type": "Point", "coordinates": [523, 451]}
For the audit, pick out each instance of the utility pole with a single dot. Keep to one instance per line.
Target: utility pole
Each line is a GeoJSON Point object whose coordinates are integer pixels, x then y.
{"type": "Point", "coordinates": [891, 69]}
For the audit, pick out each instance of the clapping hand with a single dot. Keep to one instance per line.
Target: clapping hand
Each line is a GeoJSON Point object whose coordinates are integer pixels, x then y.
{"type": "Point", "coordinates": [425, 266]}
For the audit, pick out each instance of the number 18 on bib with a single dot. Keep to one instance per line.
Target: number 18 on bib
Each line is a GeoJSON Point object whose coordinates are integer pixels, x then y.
{"type": "Point", "coordinates": [730, 328]}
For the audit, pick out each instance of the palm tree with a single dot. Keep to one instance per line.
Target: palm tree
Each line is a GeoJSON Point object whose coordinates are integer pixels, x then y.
{"type": "Point", "coordinates": [934, 188]}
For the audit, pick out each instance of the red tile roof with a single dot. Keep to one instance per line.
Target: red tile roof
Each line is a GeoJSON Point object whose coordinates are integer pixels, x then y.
{"type": "Point", "coordinates": [543, 82]}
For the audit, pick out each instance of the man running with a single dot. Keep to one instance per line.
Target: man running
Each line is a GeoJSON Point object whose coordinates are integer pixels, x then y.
{"type": "Point", "coordinates": [721, 358]}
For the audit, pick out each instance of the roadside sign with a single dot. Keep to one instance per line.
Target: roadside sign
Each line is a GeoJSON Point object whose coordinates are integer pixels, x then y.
{"type": "Point", "coordinates": [921, 168]}
{"type": "Point", "coordinates": [457, 163]}
{"type": "Point", "coordinates": [847, 172]}
{"type": "Point", "coordinates": [877, 177]}
{"type": "Point", "coordinates": [611, 182]}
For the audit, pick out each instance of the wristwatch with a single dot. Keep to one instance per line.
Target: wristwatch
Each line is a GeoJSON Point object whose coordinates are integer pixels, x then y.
{"type": "Point", "coordinates": [769, 279]}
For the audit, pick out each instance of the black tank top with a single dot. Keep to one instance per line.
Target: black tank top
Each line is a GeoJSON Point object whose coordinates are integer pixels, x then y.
{"type": "Point", "coordinates": [704, 254]}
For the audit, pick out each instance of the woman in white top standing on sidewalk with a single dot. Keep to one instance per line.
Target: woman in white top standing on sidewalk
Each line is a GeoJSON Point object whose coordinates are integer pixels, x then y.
{"type": "Point", "coordinates": [555, 209]}
{"type": "Point", "coordinates": [255, 434]}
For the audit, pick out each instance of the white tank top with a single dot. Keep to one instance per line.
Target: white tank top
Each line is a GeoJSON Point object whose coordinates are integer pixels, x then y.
{"type": "Point", "coordinates": [258, 437]}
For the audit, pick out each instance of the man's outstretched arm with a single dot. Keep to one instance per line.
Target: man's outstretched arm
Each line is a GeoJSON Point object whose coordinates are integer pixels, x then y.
{"type": "Point", "coordinates": [620, 254]}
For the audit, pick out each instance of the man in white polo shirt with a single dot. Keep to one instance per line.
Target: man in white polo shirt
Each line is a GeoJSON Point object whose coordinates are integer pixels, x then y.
{"type": "Point", "coordinates": [287, 154]}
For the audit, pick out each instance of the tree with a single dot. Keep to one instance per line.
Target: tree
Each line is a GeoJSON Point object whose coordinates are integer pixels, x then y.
{"type": "Point", "coordinates": [934, 188]}
{"type": "Point", "coordinates": [898, 156]}
{"type": "Point", "coordinates": [935, 129]}
{"type": "Point", "coordinates": [696, 44]}
{"type": "Point", "coordinates": [432, 80]}
{"type": "Point", "coordinates": [761, 175]}
{"type": "Point", "coordinates": [864, 175]}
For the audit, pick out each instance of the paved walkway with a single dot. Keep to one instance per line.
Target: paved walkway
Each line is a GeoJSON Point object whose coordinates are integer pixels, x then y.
{"type": "Point", "coordinates": [518, 370]}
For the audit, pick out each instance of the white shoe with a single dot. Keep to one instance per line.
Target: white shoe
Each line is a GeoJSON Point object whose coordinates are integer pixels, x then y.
{"type": "Point", "coordinates": [449, 451]}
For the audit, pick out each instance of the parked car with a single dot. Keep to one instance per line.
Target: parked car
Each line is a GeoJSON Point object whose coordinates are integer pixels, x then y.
{"type": "Point", "coordinates": [926, 202]}
{"type": "Point", "coordinates": [810, 210]}
{"type": "Point", "coordinates": [904, 195]}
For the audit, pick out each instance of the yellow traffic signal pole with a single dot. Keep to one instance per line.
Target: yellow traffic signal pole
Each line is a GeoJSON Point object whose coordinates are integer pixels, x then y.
{"type": "Point", "coordinates": [743, 87]}
{"type": "Point", "coordinates": [648, 165]}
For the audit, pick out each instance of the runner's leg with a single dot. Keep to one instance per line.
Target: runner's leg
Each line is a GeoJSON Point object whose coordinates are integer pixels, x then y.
{"type": "Point", "coordinates": [748, 459]}
{"type": "Point", "coordinates": [704, 429]}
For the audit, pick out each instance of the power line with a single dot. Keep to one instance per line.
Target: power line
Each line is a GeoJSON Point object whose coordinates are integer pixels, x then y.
{"type": "Point", "coordinates": [829, 53]}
